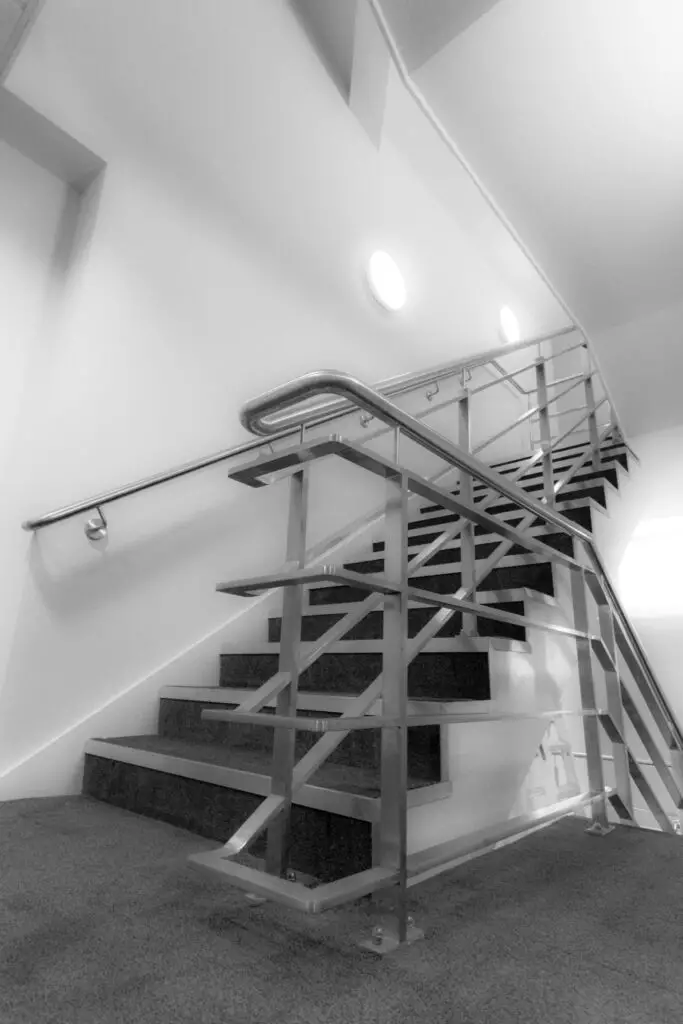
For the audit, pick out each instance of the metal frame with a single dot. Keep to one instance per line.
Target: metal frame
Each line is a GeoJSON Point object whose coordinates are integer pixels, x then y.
{"type": "Point", "coordinates": [399, 585]}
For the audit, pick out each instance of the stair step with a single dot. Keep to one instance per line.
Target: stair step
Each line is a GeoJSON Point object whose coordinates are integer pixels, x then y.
{"type": "Point", "coordinates": [450, 554]}
{"type": "Point", "coordinates": [422, 533]}
{"type": "Point", "coordinates": [321, 703]}
{"type": "Point", "coordinates": [371, 627]}
{"type": "Point", "coordinates": [583, 507]}
{"type": "Point", "coordinates": [188, 786]}
{"type": "Point", "coordinates": [566, 451]}
{"type": "Point", "coordinates": [510, 574]}
{"type": "Point", "coordinates": [533, 480]}
{"type": "Point", "coordinates": [596, 493]}
{"type": "Point", "coordinates": [181, 720]}
{"type": "Point", "coordinates": [443, 676]}
{"type": "Point", "coordinates": [596, 489]}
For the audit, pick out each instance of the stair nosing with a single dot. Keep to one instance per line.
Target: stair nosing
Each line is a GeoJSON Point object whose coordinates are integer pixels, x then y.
{"type": "Point", "coordinates": [442, 645]}
{"type": "Point", "coordinates": [311, 700]}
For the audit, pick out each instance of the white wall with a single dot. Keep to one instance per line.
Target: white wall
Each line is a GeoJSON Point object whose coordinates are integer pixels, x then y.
{"type": "Point", "coordinates": [641, 543]}
{"type": "Point", "coordinates": [31, 207]}
{"type": "Point", "coordinates": [643, 364]}
{"type": "Point", "coordinates": [219, 254]}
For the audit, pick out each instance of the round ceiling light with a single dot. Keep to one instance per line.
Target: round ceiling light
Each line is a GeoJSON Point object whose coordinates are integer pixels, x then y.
{"type": "Point", "coordinates": [386, 281]}
{"type": "Point", "coordinates": [509, 325]}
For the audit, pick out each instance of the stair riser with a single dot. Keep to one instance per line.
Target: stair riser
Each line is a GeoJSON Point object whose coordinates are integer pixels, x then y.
{"type": "Point", "coordinates": [371, 627]}
{"type": "Point", "coordinates": [362, 748]}
{"type": "Point", "coordinates": [459, 676]}
{"type": "Point", "coordinates": [327, 846]}
{"type": "Point", "coordinates": [537, 576]}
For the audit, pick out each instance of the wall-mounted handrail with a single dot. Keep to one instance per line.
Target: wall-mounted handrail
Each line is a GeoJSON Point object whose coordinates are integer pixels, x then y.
{"type": "Point", "coordinates": [257, 416]}
{"type": "Point", "coordinates": [312, 416]}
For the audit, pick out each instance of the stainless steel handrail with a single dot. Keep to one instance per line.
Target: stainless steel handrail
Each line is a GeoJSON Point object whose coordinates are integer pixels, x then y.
{"type": "Point", "coordinates": [414, 381]}
{"type": "Point", "coordinates": [255, 416]}
{"type": "Point", "coordinates": [312, 416]}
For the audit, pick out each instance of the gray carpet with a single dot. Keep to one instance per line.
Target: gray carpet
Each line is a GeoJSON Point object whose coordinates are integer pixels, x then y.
{"type": "Point", "coordinates": [102, 921]}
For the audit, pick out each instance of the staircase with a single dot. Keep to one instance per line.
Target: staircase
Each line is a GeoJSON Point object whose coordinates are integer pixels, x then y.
{"type": "Point", "coordinates": [208, 776]}
{"type": "Point", "coordinates": [467, 676]}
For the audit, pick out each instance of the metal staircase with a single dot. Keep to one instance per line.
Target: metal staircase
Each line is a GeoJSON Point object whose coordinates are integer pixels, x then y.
{"type": "Point", "coordinates": [608, 709]}
{"type": "Point", "coordinates": [447, 673]}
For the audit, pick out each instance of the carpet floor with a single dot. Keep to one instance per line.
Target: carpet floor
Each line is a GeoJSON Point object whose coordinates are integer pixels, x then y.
{"type": "Point", "coordinates": [103, 922]}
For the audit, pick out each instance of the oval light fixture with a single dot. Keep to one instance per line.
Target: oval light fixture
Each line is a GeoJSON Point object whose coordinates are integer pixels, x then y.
{"type": "Point", "coordinates": [509, 325]}
{"type": "Point", "coordinates": [386, 281]}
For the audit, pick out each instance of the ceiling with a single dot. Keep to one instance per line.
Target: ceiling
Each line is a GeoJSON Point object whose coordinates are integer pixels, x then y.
{"type": "Point", "coordinates": [16, 18]}
{"type": "Point", "coordinates": [424, 27]}
{"type": "Point", "coordinates": [572, 115]}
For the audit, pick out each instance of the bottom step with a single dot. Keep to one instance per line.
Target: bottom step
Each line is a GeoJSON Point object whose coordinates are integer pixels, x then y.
{"type": "Point", "coordinates": [191, 786]}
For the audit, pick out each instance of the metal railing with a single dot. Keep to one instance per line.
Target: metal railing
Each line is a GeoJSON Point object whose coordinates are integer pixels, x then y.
{"type": "Point", "coordinates": [614, 640]}
{"type": "Point", "coordinates": [292, 422]}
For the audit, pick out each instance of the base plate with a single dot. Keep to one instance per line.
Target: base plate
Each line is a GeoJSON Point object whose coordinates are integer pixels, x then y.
{"type": "Point", "coordinates": [384, 939]}
{"type": "Point", "coordinates": [597, 829]}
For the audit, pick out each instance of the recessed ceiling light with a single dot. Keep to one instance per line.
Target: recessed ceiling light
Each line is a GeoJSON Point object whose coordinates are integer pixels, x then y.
{"type": "Point", "coordinates": [386, 281]}
{"type": "Point", "coordinates": [509, 325]}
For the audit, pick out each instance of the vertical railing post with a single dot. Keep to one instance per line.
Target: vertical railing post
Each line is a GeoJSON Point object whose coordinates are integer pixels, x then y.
{"type": "Point", "coordinates": [615, 710]}
{"type": "Point", "coordinates": [591, 726]}
{"type": "Point", "coordinates": [467, 537]}
{"type": "Point", "coordinates": [593, 434]}
{"type": "Point", "coordinates": [284, 740]}
{"type": "Point", "coordinates": [544, 426]}
{"type": "Point", "coordinates": [394, 761]}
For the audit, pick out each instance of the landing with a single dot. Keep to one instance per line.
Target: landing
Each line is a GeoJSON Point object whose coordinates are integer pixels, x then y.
{"type": "Point", "coordinates": [101, 921]}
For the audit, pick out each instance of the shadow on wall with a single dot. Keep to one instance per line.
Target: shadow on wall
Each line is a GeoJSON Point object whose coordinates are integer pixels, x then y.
{"type": "Point", "coordinates": [71, 573]}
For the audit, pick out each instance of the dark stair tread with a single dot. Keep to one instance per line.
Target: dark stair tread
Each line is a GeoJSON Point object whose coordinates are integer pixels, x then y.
{"type": "Point", "coordinates": [360, 781]}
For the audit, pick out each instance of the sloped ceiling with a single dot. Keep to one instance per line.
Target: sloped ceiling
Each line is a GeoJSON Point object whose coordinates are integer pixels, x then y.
{"type": "Point", "coordinates": [16, 18]}
{"type": "Point", "coordinates": [572, 115]}
{"type": "Point", "coordinates": [330, 26]}
{"type": "Point", "coordinates": [424, 27]}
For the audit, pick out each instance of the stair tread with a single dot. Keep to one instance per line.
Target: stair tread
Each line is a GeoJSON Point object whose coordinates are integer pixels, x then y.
{"type": "Point", "coordinates": [355, 779]}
